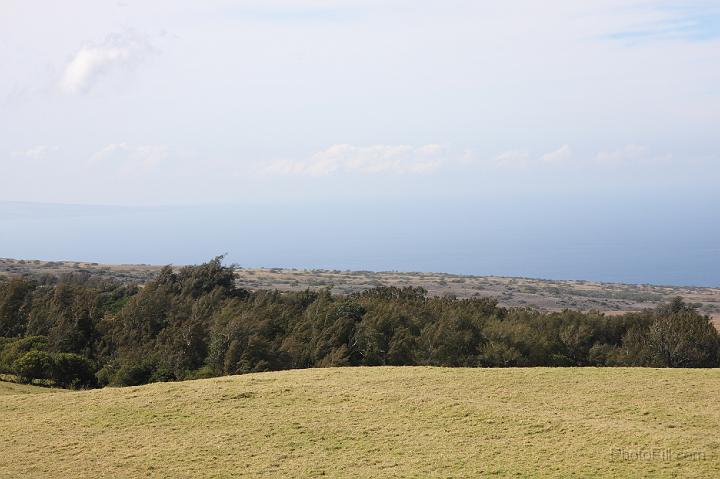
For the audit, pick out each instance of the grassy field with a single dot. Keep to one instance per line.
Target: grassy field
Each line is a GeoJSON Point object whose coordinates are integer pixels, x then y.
{"type": "Point", "coordinates": [7, 388]}
{"type": "Point", "coordinates": [375, 422]}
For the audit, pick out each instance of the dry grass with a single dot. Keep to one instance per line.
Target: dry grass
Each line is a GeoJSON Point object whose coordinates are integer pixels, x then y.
{"type": "Point", "coordinates": [375, 422]}
{"type": "Point", "coordinates": [7, 388]}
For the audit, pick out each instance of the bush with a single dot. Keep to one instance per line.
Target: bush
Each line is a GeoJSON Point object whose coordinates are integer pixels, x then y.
{"type": "Point", "coordinates": [13, 350]}
{"type": "Point", "coordinates": [162, 375]}
{"type": "Point", "coordinates": [496, 353]}
{"type": "Point", "coordinates": [72, 370]}
{"type": "Point", "coordinates": [33, 365]}
{"type": "Point", "coordinates": [683, 339]}
{"type": "Point", "coordinates": [599, 353]}
{"type": "Point", "coordinates": [104, 376]}
{"type": "Point", "coordinates": [204, 372]}
{"type": "Point", "coordinates": [133, 374]}
{"type": "Point", "coordinates": [64, 369]}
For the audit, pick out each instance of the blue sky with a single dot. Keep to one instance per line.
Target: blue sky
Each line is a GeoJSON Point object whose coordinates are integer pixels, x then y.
{"type": "Point", "coordinates": [688, 21]}
{"type": "Point", "coordinates": [285, 104]}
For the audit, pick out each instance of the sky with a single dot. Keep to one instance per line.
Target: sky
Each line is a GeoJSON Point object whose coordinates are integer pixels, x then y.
{"type": "Point", "coordinates": [461, 109]}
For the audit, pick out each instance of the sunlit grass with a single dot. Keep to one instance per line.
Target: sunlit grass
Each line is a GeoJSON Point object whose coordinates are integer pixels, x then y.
{"type": "Point", "coordinates": [375, 422]}
{"type": "Point", "coordinates": [7, 387]}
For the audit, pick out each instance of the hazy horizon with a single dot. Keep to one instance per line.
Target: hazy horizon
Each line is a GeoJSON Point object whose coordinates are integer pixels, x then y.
{"type": "Point", "coordinates": [567, 243]}
{"type": "Point", "coordinates": [559, 139]}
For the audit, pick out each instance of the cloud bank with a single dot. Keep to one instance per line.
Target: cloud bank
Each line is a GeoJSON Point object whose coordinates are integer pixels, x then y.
{"type": "Point", "coordinates": [129, 158]}
{"type": "Point", "coordinates": [397, 159]}
{"type": "Point", "coordinates": [564, 153]}
{"type": "Point", "coordinates": [39, 152]}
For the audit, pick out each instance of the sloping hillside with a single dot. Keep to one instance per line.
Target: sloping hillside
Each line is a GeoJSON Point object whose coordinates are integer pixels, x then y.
{"type": "Point", "coordinates": [375, 422]}
{"type": "Point", "coordinates": [8, 388]}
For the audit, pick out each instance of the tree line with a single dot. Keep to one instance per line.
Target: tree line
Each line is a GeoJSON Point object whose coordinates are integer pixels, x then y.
{"type": "Point", "coordinates": [82, 331]}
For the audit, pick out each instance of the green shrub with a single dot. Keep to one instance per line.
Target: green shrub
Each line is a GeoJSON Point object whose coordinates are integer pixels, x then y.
{"type": "Point", "coordinates": [683, 339]}
{"type": "Point", "coordinates": [104, 376]}
{"type": "Point", "coordinates": [132, 374]}
{"type": "Point", "coordinates": [599, 354]}
{"type": "Point", "coordinates": [33, 365]}
{"type": "Point", "coordinates": [161, 375]}
{"type": "Point", "coordinates": [72, 370]}
{"type": "Point", "coordinates": [13, 350]}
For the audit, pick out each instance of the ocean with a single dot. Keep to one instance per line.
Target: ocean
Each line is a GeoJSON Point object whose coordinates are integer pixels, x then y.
{"type": "Point", "coordinates": [629, 240]}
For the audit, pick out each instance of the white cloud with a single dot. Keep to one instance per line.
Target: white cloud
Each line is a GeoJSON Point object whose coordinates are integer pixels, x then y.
{"type": "Point", "coordinates": [512, 158]}
{"type": "Point", "coordinates": [39, 152]}
{"type": "Point", "coordinates": [398, 159]}
{"type": "Point", "coordinates": [130, 158]}
{"type": "Point", "coordinates": [627, 153]}
{"type": "Point", "coordinates": [91, 62]}
{"type": "Point", "coordinates": [631, 154]}
{"type": "Point", "coordinates": [87, 64]}
{"type": "Point", "coordinates": [563, 153]}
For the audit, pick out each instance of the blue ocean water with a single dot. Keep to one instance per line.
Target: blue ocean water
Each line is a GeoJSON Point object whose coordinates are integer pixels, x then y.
{"type": "Point", "coordinates": [614, 239]}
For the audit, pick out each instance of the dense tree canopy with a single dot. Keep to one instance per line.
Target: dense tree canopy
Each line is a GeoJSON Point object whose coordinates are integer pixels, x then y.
{"type": "Point", "coordinates": [79, 332]}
